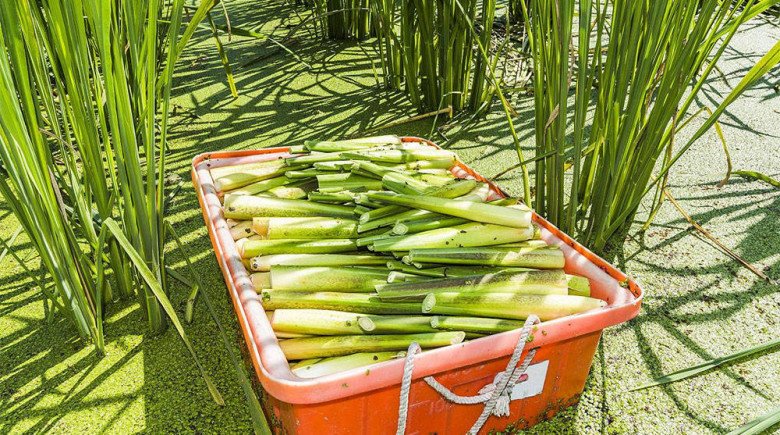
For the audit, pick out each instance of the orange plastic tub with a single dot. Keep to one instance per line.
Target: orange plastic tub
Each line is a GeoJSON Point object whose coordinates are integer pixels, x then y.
{"type": "Point", "coordinates": [365, 400]}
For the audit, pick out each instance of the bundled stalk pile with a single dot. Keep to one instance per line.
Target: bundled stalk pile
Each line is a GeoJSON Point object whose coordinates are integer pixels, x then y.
{"type": "Point", "coordinates": [364, 246]}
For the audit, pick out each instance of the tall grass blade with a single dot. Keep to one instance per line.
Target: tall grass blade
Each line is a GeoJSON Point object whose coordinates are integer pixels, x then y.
{"type": "Point", "coordinates": [759, 425]}
{"type": "Point", "coordinates": [111, 228]}
{"type": "Point", "coordinates": [710, 364]}
{"type": "Point", "coordinates": [259, 422]}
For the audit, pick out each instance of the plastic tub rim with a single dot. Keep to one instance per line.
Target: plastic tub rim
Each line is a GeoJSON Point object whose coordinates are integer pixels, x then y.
{"type": "Point", "coordinates": [274, 372]}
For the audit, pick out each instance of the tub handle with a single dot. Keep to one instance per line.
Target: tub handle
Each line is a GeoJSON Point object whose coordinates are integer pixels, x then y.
{"type": "Point", "coordinates": [496, 395]}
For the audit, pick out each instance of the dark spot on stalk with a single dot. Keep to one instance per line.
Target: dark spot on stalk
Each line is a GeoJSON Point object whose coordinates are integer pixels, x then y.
{"type": "Point", "coordinates": [247, 230]}
{"type": "Point", "coordinates": [231, 209]}
{"type": "Point", "coordinates": [349, 323]}
{"type": "Point", "coordinates": [446, 243]}
{"type": "Point", "coordinates": [376, 357]}
{"type": "Point", "coordinates": [463, 231]}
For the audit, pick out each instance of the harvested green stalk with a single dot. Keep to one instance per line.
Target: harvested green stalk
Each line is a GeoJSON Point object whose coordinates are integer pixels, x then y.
{"type": "Point", "coordinates": [394, 213]}
{"type": "Point", "coordinates": [539, 258]}
{"type": "Point", "coordinates": [436, 180]}
{"type": "Point", "coordinates": [262, 186]}
{"type": "Point", "coordinates": [241, 179]}
{"type": "Point", "coordinates": [255, 248]}
{"type": "Point", "coordinates": [260, 280]}
{"type": "Point", "coordinates": [298, 174]}
{"type": "Point", "coordinates": [315, 322]}
{"type": "Point", "coordinates": [335, 165]}
{"type": "Point", "coordinates": [517, 216]}
{"type": "Point", "coordinates": [369, 240]}
{"type": "Point", "coordinates": [339, 364]}
{"type": "Point", "coordinates": [248, 207]}
{"type": "Point", "coordinates": [339, 182]}
{"type": "Point", "coordinates": [309, 159]}
{"type": "Point", "coordinates": [381, 212]}
{"type": "Point", "coordinates": [402, 155]}
{"type": "Point", "coordinates": [453, 271]}
{"type": "Point", "coordinates": [372, 324]}
{"type": "Point", "coordinates": [466, 235]}
{"type": "Point", "coordinates": [435, 272]}
{"type": "Point", "coordinates": [402, 183]}
{"type": "Point", "coordinates": [539, 282]}
{"type": "Point", "coordinates": [353, 302]}
{"type": "Point", "coordinates": [241, 229]}
{"type": "Point", "coordinates": [264, 263]}
{"type": "Point", "coordinates": [257, 168]}
{"type": "Point", "coordinates": [291, 335]}
{"type": "Point", "coordinates": [305, 362]}
{"type": "Point", "coordinates": [508, 305]}
{"type": "Point", "coordinates": [479, 325]}
{"type": "Point", "coordinates": [352, 144]}
{"type": "Point", "coordinates": [304, 227]}
{"type": "Point", "coordinates": [286, 192]}
{"type": "Point", "coordinates": [299, 348]}
{"type": "Point", "coordinates": [416, 226]}
{"type": "Point", "coordinates": [405, 216]}
{"type": "Point", "coordinates": [333, 197]}
{"type": "Point", "coordinates": [324, 278]}
{"type": "Point", "coordinates": [578, 285]}
{"type": "Point", "coordinates": [426, 164]}
{"type": "Point", "coordinates": [396, 276]}
{"type": "Point", "coordinates": [378, 171]}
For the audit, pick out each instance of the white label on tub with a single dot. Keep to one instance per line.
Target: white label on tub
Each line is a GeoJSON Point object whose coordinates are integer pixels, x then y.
{"type": "Point", "coordinates": [531, 383]}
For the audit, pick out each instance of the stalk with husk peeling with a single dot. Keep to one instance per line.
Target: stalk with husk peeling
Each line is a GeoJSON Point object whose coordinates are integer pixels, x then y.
{"type": "Point", "coordinates": [518, 216]}
{"type": "Point", "coordinates": [248, 207]}
{"type": "Point", "coordinates": [540, 282]}
{"type": "Point", "coordinates": [314, 322]}
{"type": "Point", "coordinates": [304, 227]}
{"type": "Point", "coordinates": [256, 248]}
{"type": "Point", "coordinates": [466, 235]}
{"type": "Point", "coordinates": [539, 258]}
{"type": "Point", "coordinates": [265, 262]}
{"type": "Point", "coordinates": [323, 278]}
{"type": "Point", "coordinates": [478, 325]}
{"type": "Point", "coordinates": [372, 324]}
{"type": "Point", "coordinates": [353, 302]}
{"type": "Point", "coordinates": [508, 305]}
{"type": "Point", "coordinates": [338, 364]}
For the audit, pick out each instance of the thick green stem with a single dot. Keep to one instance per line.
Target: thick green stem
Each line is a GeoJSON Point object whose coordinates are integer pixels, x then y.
{"type": "Point", "coordinates": [304, 228]}
{"type": "Point", "coordinates": [541, 282]}
{"type": "Point", "coordinates": [323, 278]}
{"type": "Point", "coordinates": [329, 366]}
{"type": "Point", "coordinates": [353, 302]}
{"type": "Point", "coordinates": [395, 324]}
{"type": "Point", "coordinates": [264, 263]}
{"type": "Point", "coordinates": [300, 348]}
{"type": "Point", "coordinates": [248, 207]}
{"type": "Point", "coordinates": [315, 322]}
{"type": "Point", "coordinates": [538, 258]}
{"type": "Point", "coordinates": [255, 248]}
{"type": "Point", "coordinates": [466, 235]}
{"type": "Point", "coordinates": [478, 325]}
{"type": "Point", "coordinates": [508, 305]}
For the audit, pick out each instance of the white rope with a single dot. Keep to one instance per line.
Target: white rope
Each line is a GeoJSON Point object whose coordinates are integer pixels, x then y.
{"type": "Point", "coordinates": [496, 395]}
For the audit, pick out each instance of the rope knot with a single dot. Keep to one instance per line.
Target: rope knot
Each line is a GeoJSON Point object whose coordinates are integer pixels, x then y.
{"type": "Point", "coordinates": [502, 403]}
{"type": "Point", "coordinates": [496, 396]}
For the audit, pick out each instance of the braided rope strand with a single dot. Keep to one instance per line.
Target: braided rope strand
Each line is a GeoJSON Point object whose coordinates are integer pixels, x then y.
{"type": "Point", "coordinates": [496, 395]}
